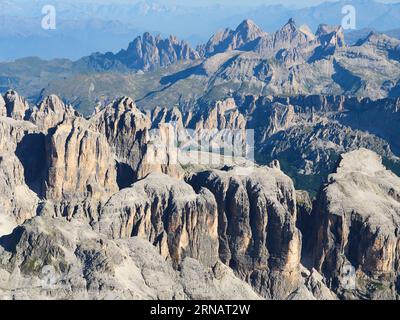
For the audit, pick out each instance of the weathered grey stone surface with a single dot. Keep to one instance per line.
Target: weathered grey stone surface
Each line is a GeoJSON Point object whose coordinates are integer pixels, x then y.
{"type": "Point", "coordinates": [51, 112]}
{"type": "Point", "coordinates": [357, 220]}
{"type": "Point", "coordinates": [49, 258]}
{"type": "Point", "coordinates": [3, 110]}
{"type": "Point", "coordinates": [16, 106]}
{"type": "Point", "coordinates": [168, 213]}
{"type": "Point", "coordinates": [17, 201]}
{"type": "Point", "coordinates": [80, 169]}
{"type": "Point", "coordinates": [257, 226]}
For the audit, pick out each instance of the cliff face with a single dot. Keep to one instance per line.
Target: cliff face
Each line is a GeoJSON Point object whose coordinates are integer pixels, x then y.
{"type": "Point", "coordinates": [125, 128]}
{"type": "Point", "coordinates": [79, 161]}
{"type": "Point", "coordinates": [138, 150]}
{"type": "Point", "coordinates": [257, 232]}
{"type": "Point", "coordinates": [17, 202]}
{"type": "Point", "coordinates": [168, 213]}
{"type": "Point", "coordinates": [357, 223]}
{"type": "Point", "coordinates": [79, 166]}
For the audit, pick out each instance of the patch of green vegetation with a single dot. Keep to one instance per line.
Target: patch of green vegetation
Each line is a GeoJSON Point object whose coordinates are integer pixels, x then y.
{"type": "Point", "coordinates": [35, 265]}
{"type": "Point", "coordinates": [310, 183]}
{"type": "Point", "coordinates": [32, 266]}
{"type": "Point", "coordinates": [371, 285]}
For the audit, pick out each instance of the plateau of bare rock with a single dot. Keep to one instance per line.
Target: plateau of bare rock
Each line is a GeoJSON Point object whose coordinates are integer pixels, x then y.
{"type": "Point", "coordinates": [356, 223]}
{"type": "Point", "coordinates": [81, 264]}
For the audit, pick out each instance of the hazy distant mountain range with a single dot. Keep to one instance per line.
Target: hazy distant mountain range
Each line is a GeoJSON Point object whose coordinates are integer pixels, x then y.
{"type": "Point", "coordinates": [95, 26]}
{"type": "Point", "coordinates": [161, 71]}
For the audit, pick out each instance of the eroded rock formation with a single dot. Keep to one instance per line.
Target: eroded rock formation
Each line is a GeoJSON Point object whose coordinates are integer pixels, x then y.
{"type": "Point", "coordinates": [49, 258]}
{"type": "Point", "coordinates": [17, 201]}
{"type": "Point", "coordinates": [357, 219]}
{"type": "Point", "coordinates": [168, 213]}
{"type": "Point", "coordinates": [257, 226]}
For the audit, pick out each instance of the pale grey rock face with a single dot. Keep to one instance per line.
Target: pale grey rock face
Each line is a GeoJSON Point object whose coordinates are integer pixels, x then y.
{"type": "Point", "coordinates": [357, 219]}
{"type": "Point", "coordinates": [257, 230]}
{"type": "Point", "coordinates": [312, 287]}
{"type": "Point", "coordinates": [80, 169]}
{"type": "Point", "coordinates": [16, 106]}
{"type": "Point", "coordinates": [223, 115]}
{"type": "Point", "coordinates": [3, 109]}
{"type": "Point", "coordinates": [144, 53]}
{"type": "Point", "coordinates": [290, 44]}
{"type": "Point", "coordinates": [127, 132]}
{"type": "Point", "coordinates": [17, 201]}
{"type": "Point", "coordinates": [168, 213]}
{"type": "Point", "coordinates": [49, 258]}
{"type": "Point", "coordinates": [125, 128]}
{"type": "Point", "coordinates": [79, 162]}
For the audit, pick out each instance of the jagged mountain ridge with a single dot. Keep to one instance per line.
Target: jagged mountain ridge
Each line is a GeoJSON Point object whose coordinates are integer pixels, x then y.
{"type": "Point", "coordinates": [115, 22]}
{"type": "Point", "coordinates": [148, 53]}
{"type": "Point", "coordinates": [305, 133]}
{"type": "Point", "coordinates": [247, 60]}
{"type": "Point", "coordinates": [143, 53]}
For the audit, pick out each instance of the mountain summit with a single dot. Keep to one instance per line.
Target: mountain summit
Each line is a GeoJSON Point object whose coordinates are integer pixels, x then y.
{"type": "Point", "coordinates": [145, 53]}
{"type": "Point", "coordinates": [228, 39]}
{"type": "Point", "coordinates": [249, 30]}
{"type": "Point", "coordinates": [293, 60]}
